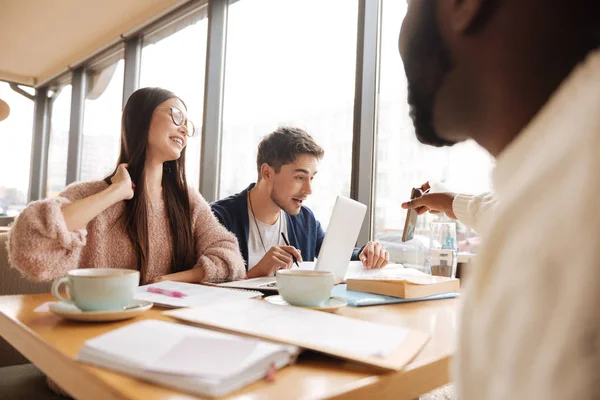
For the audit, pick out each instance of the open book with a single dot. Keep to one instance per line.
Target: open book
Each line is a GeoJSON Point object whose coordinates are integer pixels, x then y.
{"type": "Point", "coordinates": [186, 358]}
{"type": "Point", "coordinates": [407, 283]}
{"type": "Point", "coordinates": [194, 294]}
{"type": "Point", "coordinates": [357, 270]}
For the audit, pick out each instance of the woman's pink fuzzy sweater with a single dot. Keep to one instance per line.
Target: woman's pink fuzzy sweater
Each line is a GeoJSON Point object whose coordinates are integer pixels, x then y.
{"type": "Point", "coordinates": [40, 245]}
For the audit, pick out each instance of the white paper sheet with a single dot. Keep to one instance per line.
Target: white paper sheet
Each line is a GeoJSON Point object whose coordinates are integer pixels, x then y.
{"type": "Point", "coordinates": [357, 270]}
{"type": "Point", "coordinates": [197, 295]}
{"type": "Point", "coordinates": [203, 356]}
{"type": "Point", "coordinates": [297, 325]}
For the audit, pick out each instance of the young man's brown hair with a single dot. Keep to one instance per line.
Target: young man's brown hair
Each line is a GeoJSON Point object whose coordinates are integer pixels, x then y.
{"type": "Point", "coordinates": [283, 146]}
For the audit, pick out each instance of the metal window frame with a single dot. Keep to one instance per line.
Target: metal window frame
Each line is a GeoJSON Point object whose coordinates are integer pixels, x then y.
{"type": "Point", "coordinates": [39, 145]}
{"type": "Point", "coordinates": [212, 124]}
{"type": "Point", "coordinates": [79, 83]}
{"type": "Point", "coordinates": [364, 142]}
{"type": "Point", "coordinates": [133, 60]}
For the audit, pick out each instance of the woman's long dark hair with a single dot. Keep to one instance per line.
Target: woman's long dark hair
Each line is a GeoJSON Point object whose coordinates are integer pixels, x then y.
{"type": "Point", "coordinates": [135, 125]}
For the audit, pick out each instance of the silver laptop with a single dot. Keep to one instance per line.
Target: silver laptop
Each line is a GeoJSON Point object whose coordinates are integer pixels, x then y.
{"type": "Point", "coordinates": [336, 251]}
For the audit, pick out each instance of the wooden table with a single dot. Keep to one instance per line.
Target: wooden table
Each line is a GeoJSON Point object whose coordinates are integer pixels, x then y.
{"type": "Point", "coordinates": [51, 343]}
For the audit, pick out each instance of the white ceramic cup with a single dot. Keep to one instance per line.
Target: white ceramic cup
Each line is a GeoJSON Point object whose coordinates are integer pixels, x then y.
{"type": "Point", "coordinates": [305, 288]}
{"type": "Point", "coordinates": [98, 289]}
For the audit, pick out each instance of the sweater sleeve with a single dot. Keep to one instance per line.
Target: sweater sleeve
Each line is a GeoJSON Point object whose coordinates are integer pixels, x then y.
{"type": "Point", "coordinates": [469, 209]}
{"type": "Point", "coordinates": [39, 243]}
{"type": "Point", "coordinates": [217, 249]}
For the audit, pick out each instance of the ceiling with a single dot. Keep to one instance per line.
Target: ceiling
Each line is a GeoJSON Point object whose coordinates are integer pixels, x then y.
{"type": "Point", "coordinates": [41, 39]}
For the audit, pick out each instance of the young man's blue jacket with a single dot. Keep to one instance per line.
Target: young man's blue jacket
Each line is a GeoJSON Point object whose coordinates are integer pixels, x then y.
{"type": "Point", "coordinates": [304, 232]}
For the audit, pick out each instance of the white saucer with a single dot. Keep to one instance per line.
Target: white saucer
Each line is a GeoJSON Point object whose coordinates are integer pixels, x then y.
{"type": "Point", "coordinates": [70, 311]}
{"type": "Point", "coordinates": [331, 305]}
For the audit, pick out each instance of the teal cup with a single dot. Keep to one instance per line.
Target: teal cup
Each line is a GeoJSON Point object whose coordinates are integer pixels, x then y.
{"type": "Point", "coordinates": [305, 288]}
{"type": "Point", "coordinates": [98, 289]}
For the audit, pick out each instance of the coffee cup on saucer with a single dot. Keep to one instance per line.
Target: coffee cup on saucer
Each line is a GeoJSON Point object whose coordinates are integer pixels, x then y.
{"type": "Point", "coordinates": [98, 289]}
{"type": "Point", "coordinates": [305, 288]}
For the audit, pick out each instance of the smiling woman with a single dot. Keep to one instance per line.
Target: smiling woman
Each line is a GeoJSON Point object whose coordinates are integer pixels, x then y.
{"type": "Point", "coordinates": [156, 225]}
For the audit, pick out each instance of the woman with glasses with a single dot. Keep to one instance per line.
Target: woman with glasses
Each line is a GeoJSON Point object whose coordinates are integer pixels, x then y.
{"type": "Point", "coordinates": [142, 216]}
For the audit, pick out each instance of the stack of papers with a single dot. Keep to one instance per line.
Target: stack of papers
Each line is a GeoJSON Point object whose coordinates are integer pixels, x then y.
{"type": "Point", "coordinates": [195, 295]}
{"type": "Point", "coordinates": [186, 358]}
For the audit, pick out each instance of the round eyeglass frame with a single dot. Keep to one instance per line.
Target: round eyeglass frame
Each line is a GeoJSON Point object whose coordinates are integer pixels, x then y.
{"type": "Point", "coordinates": [189, 125]}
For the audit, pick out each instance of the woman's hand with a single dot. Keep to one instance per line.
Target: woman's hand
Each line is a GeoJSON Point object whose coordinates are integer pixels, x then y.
{"type": "Point", "coordinates": [122, 183]}
{"type": "Point", "coordinates": [78, 213]}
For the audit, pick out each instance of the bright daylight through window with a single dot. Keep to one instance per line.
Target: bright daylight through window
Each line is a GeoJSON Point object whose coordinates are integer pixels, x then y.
{"type": "Point", "coordinates": [59, 141]}
{"type": "Point", "coordinates": [402, 162]}
{"type": "Point", "coordinates": [177, 63]}
{"type": "Point", "coordinates": [287, 65]}
{"type": "Point", "coordinates": [15, 151]}
{"type": "Point", "coordinates": [102, 123]}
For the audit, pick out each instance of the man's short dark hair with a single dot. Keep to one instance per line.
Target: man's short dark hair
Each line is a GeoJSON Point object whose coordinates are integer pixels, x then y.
{"type": "Point", "coordinates": [284, 146]}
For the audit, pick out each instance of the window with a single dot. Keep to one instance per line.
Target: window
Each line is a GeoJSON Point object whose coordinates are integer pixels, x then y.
{"type": "Point", "coordinates": [102, 123]}
{"type": "Point", "coordinates": [15, 150]}
{"type": "Point", "coordinates": [402, 162]}
{"type": "Point", "coordinates": [177, 63]}
{"type": "Point", "coordinates": [286, 64]}
{"type": "Point", "coordinates": [59, 141]}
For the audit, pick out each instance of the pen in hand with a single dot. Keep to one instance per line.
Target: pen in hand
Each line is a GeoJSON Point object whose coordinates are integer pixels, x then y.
{"type": "Point", "coordinates": [287, 244]}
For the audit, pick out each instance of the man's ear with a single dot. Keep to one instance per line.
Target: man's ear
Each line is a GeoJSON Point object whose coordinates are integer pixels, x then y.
{"type": "Point", "coordinates": [464, 15]}
{"type": "Point", "coordinates": [266, 172]}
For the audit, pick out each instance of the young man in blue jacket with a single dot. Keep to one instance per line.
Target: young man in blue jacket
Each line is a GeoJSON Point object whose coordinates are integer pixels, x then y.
{"type": "Point", "coordinates": [287, 162]}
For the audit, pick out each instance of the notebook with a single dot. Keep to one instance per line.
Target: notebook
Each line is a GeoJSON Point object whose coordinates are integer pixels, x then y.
{"type": "Point", "coordinates": [357, 270]}
{"type": "Point", "coordinates": [361, 299]}
{"type": "Point", "coordinates": [268, 284]}
{"type": "Point", "coordinates": [380, 345]}
{"type": "Point", "coordinates": [196, 295]}
{"type": "Point", "coordinates": [405, 283]}
{"type": "Point", "coordinates": [186, 358]}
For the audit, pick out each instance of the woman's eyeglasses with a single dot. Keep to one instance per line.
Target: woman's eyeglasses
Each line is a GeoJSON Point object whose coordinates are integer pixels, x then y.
{"type": "Point", "coordinates": [179, 119]}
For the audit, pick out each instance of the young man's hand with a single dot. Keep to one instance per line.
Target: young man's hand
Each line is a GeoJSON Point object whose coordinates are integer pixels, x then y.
{"type": "Point", "coordinates": [278, 257]}
{"type": "Point", "coordinates": [374, 255]}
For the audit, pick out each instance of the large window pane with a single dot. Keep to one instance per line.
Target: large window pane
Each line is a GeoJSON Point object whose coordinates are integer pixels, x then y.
{"type": "Point", "coordinates": [15, 151]}
{"type": "Point", "coordinates": [102, 123]}
{"type": "Point", "coordinates": [59, 142]}
{"type": "Point", "coordinates": [286, 64]}
{"type": "Point", "coordinates": [177, 63]}
{"type": "Point", "coordinates": [402, 162]}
